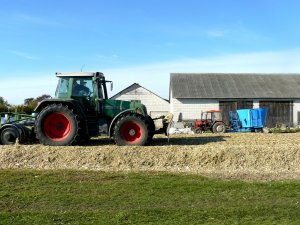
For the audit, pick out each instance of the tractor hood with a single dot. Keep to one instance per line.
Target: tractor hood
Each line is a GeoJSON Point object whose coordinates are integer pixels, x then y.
{"type": "Point", "coordinates": [113, 107]}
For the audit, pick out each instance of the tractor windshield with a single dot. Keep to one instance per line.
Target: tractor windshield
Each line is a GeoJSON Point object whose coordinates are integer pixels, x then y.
{"type": "Point", "coordinates": [62, 88]}
{"type": "Point", "coordinates": [205, 116]}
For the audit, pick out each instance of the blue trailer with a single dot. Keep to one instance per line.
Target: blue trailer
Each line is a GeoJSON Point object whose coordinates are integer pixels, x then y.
{"type": "Point", "coordinates": [248, 120]}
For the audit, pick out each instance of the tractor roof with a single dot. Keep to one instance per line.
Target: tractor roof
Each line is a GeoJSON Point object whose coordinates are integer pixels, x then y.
{"type": "Point", "coordinates": [79, 74]}
{"type": "Point", "coordinates": [212, 111]}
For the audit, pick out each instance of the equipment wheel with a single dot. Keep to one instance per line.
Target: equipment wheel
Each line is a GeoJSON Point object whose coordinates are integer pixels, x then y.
{"type": "Point", "coordinates": [9, 136]}
{"type": "Point", "coordinates": [56, 125]}
{"type": "Point", "coordinates": [131, 129]}
{"type": "Point", "coordinates": [219, 127]}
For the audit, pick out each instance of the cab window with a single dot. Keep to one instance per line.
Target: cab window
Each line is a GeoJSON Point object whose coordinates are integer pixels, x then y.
{"type": "Point", "coordinates": [82, 87]}
{"type": "Point", "coordinates": [62, 88]}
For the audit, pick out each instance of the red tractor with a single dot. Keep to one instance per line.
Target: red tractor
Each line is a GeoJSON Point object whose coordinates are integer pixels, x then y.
{"type": "Point", "coordinates": [210, 120]}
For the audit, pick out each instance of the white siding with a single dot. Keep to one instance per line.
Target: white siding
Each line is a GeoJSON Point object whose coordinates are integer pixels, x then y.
{"type": "Point", "coordinates": [154, 103]}
{"type": "Point", "coordinates": [255, 104]}
{"type": "Point", "coordinates": [295, 113]}
{"type": "Point", "coordinates": [191, 108]}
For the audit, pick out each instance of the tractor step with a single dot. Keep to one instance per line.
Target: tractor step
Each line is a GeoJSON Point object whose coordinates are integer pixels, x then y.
{"type": "Point", "coordinates": [92, 123]}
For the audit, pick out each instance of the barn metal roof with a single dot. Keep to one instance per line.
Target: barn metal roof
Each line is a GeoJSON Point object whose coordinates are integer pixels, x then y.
{"type": "Point", "coordinates": [221, 86]}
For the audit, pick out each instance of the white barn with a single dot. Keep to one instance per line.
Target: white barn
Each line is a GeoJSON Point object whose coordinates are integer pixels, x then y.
{"type": "Point", "coordinates": [190, 94]}
{"type": "Point", "coordinates": [156, 106]}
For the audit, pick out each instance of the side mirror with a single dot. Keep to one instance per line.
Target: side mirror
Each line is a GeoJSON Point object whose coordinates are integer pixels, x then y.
{"type": "Point", "coordinates": [111, 86]}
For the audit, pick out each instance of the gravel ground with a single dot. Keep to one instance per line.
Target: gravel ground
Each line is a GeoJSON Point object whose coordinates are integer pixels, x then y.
{"type": "Point", "coordinates": [246, 156]}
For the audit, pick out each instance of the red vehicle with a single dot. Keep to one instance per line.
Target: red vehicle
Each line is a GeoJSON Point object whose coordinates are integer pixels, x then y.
{"type": "Point", "coordinates": [210, 120]}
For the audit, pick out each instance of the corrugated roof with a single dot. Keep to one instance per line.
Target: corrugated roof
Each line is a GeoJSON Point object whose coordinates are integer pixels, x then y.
{"type": "Point", "coordinates": [219, 86]}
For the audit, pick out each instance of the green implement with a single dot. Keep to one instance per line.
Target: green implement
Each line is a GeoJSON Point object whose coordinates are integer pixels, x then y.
{"type": "Point", "coordinates": [16, 126]}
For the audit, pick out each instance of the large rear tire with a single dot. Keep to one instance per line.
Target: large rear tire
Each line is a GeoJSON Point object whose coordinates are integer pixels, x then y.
{"type": "Point", "coordinates": [219, 127]}
{"type": "Point", "coordinates": [131, 129]}
{"type": "Point", "coordinates": [56, 125]}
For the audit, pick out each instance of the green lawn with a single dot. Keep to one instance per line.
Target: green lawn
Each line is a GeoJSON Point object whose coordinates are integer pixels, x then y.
{"type": "Point", "coordinates": [81, 197]}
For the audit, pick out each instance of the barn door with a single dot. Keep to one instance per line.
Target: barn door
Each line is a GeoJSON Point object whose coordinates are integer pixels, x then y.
{"type": "Point", "coordinates": [227, 106]}
{"type": "Point", "coordinates": [278, 112]}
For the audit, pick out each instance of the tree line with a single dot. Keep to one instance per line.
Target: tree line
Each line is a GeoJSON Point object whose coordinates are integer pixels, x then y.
{"type": "Point", "coordinates": [27, 107]}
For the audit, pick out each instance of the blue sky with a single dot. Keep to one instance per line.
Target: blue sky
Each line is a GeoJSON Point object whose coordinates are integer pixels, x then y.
{"type": "Point", "coordinates": [142, 41]}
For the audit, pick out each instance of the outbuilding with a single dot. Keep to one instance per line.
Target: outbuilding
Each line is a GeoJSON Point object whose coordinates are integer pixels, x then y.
{"type": "Point", "coordinates": [192, 93]}
{"type": "Point", "coordinates": [156, 105]}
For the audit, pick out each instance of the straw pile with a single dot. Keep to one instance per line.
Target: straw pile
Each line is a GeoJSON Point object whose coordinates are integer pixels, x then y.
{"type": "Point", "coordinates": [246, 156]}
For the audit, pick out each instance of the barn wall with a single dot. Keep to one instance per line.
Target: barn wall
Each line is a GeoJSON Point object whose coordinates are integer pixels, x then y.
{"type": "Point", "coordinates": [191, 109]}
{"type": "Point", "coordinates": [155, 105]}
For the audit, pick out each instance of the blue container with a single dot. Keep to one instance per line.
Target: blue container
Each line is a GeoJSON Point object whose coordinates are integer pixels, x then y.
{"type": "Point", "coordinates": [252, 118]}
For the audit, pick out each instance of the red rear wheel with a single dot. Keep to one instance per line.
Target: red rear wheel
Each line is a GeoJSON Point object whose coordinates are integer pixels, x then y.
{"type": "Point", "coordinates": [57, 126]}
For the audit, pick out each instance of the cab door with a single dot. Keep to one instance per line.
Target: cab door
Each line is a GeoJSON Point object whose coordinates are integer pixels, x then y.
{"type": "Point", "coordinates": [84, 92]}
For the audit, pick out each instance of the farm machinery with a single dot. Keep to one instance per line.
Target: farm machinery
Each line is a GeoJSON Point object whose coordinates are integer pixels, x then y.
{"type": "Point", "coordinates": [15, 125]}
{"type": "Point", "coordinates": [210, 120]}
{"type": "Point", "coordinates": [80, 110]}
{"type": "Point", "coordinates": [242, 120]}
{"type": "Point", "coordinates": [248, 120]}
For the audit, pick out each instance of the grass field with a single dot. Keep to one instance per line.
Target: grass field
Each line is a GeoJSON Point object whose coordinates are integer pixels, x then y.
{"type": "Point", "coordinates": [83, 197]}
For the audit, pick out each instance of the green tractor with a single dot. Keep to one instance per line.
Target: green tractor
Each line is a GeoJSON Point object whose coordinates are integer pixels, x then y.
{"type": "Point", "coordinates": [81, 109]}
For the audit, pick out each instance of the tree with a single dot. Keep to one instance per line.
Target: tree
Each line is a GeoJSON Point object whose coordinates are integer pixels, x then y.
{"type": "Point", "coordinates": [30, 104]}
{"type": "Point", "coordinates": [27, 101]}
{"type": "Point", "coordinates": [42, 97]}
{"type": "Point", "coordinates": [3, 102]}
{"type": "Point", "coordinates": [3, 105]}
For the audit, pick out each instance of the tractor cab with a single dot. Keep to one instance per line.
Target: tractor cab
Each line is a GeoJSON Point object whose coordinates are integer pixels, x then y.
{"type": "Point", "coordinates": [87, 88]}
{"type": "Point", "coordinates": [211, 115]}
{"type": "Point", "coordinates": [81, 84]}
{"type": "Point", "coordinates": [210, 120]}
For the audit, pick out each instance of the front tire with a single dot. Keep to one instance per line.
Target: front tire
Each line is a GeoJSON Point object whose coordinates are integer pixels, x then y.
{"type": "Point", "coordinates": [56, 125]}
{"type": "Point", "coordinates": [199, 131]}
{"type": "Point", "coordinates": [131, 129]}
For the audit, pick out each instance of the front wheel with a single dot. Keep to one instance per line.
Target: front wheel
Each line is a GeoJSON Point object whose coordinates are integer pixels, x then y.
{"type": "Point", "coordinates": [199, 131]}
{"type": "Point", "coordinates": [131, 129]}
{"type": "Point", "coordinates": [56, 125]}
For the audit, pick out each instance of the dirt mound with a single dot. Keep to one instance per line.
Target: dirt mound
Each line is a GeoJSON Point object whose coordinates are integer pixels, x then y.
{"type": "Point", "coordinates": [243, 156]}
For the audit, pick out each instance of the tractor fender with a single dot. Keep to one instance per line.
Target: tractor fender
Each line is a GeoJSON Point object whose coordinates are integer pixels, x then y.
{"type": "Point", "coordinates": [115, 119]}
{"type": "Point", "coordinates": [73, 104]}
{"type": "Point", "coordinates": [18, 128]}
